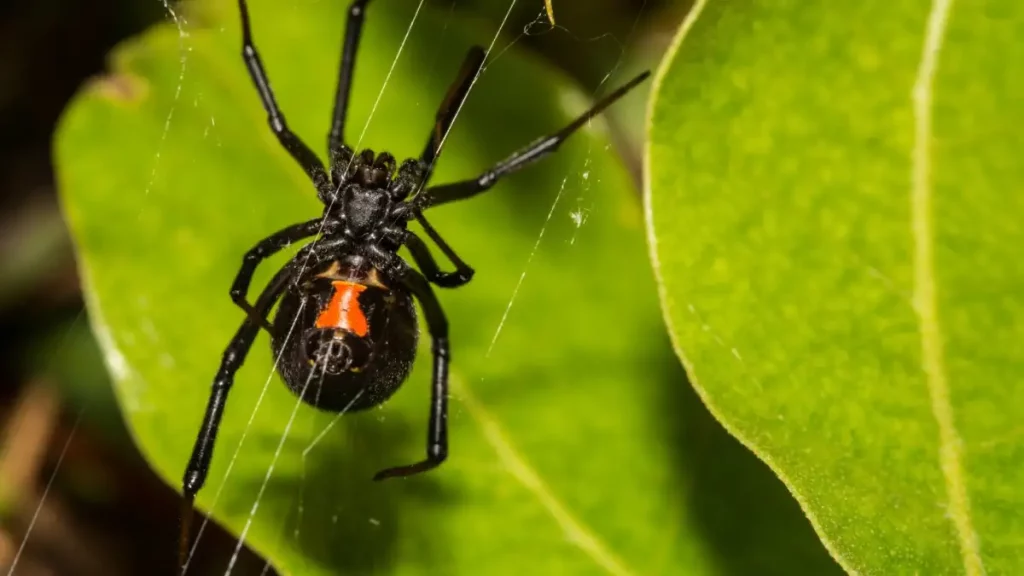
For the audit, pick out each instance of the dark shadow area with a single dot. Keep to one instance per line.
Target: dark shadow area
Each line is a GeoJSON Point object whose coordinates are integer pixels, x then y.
{"type": "Point", "coordinates": [105, 512]}
{"type": "Point", "coordinates": [333, 513]}
{"type": "Point", "coordinates": [744, 511]}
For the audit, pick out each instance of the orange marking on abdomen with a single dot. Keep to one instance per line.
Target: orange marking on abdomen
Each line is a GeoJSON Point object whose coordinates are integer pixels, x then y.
{"type": "Point", "coordinates": [343, 311]}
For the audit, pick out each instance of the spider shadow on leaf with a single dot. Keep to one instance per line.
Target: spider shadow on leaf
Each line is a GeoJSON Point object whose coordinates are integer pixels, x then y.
{"type": "Point", "coordinates": [330, 511]}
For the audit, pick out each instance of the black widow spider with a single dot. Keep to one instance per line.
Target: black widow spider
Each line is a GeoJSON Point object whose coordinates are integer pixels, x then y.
{"type": "Point", "coordinates": [348, 295]}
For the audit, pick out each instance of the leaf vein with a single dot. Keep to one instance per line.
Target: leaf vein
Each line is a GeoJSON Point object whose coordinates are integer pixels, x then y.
{"type": "Point", "coordinates": [925, 300]}
{"type": "Point", "coordinates": [521, 470]}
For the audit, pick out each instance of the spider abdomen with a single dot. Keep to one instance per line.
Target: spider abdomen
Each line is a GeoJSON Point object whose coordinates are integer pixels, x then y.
{"type": "Point", "coordinates": [344, 340]}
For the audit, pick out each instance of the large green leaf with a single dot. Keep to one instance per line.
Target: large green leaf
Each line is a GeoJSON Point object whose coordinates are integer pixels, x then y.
{"type": "Point", "coordinates": [835, 217]}
{"type": "Point", "coordinates": [577, 448]}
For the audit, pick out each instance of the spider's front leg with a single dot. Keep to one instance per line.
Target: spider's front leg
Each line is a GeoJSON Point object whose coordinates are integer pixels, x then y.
{"type": "Point", "coordinates": [450, 106]}
{"type": "Point", "coordinates": [468, 188]}
{"type": "Point", "coordinates": [346, 69]}
{"type": "Point", "coordinates": [260, 252]}
{"type": "Point", "coordinates": [298, 150]}
{"type": "Point", "coordinates": [437, 430]}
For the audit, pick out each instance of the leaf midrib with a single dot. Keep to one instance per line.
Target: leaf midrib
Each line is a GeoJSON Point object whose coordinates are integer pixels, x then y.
{"type": "Point", "coordinates": [925, 300]}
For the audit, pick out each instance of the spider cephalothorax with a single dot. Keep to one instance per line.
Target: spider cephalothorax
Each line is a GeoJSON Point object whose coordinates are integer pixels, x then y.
{"type": "Point", "coordinates": [366, 193]}
{"type": "Point", "coordinates": [345, 330]}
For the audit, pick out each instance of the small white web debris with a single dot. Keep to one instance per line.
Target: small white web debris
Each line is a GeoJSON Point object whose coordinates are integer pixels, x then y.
{"type": "Point", "coordinates": [577, 217]}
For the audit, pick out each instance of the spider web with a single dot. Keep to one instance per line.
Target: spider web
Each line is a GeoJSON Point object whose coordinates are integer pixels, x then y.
{"type": "Point", "coordinates": [578, 217]}
{"type": "Point", "coordinates": [307, 449]}
{"type": "Point", "coordinates": [575, 184]}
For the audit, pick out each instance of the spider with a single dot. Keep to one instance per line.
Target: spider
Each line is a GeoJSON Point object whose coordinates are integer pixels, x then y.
{"type": "Point", "coordinates": [345, 314]}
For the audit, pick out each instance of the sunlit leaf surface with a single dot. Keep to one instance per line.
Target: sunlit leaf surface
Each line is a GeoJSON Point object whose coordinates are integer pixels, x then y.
{"type": "Point", "coordinates": [576, 444]}
{"type": "Point", "coordinates": [835, 208]}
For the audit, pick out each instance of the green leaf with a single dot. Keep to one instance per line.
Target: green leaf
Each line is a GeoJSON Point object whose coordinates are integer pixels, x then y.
{"type": "Point", "coordinates": [834, 196]}
{"type": "Point", "coordinates": [577, 448]}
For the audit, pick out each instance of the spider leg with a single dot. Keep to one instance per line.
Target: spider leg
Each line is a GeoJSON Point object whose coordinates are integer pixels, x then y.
{"type": "Point", "coordinates": [425, 260]}
{"type": "Point", "coordinates": [437, 431]}
{"type": "Point", "coordinates": [457, 93]}
{"type": "Point", "coordinates": [309, 162]}
{"type": "Point", "coordinates": [535, 151]}
{"type": "Point", "coordinates": [237, 349]}
{"type": "Point", "coordinates": [234, 356]}
{"type": "Point", "coordinates": [261, 251]}
{"type": "Point", "coordinates": [353, 30]}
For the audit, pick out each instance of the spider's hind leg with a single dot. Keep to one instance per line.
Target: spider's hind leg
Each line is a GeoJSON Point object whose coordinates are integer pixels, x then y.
{"type": "Point", "coordinates": [232, 359]}
{"type": "Point", "coordinates": [437, 428]}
